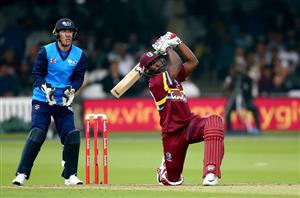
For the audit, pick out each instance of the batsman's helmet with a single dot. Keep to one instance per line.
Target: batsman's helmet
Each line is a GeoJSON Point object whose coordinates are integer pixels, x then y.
{"type": "Point", "coordinates": [147, 59]}
{"type": "Point", "coordinates": [64, 23]}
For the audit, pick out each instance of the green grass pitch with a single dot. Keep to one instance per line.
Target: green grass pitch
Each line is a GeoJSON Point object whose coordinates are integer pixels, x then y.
{"type": "Point", "coordinates": [263, 166]}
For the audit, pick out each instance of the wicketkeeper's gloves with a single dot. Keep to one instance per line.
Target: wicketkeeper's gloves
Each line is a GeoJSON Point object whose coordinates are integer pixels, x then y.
{"type": "Point", "coordinates": [49, 91]}
{"type": "Point", "coordinates": [68, 96]}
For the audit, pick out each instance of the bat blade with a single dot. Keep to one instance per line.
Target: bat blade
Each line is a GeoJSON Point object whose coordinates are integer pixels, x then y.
{"type": "Point", "coordinates": [131, 78]}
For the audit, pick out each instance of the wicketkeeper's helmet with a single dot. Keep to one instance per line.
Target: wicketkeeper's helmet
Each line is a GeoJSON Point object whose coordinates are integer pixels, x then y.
{"type": "Point", "coordinates": [63, 24]}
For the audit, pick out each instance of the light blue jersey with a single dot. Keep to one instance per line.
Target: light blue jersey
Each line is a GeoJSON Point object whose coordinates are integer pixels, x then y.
{"type": "Point", "coordinates": [60, 71]}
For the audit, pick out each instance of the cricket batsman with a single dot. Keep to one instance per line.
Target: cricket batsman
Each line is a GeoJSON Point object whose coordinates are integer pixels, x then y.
{"type": "Point", "coordinates": [58, 73]}
{"type": "Point", "coordinates": [180, 127]}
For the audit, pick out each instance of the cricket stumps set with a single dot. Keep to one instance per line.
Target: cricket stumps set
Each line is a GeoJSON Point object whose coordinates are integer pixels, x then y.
{"type": "Point", "coordinates": [99, 123]}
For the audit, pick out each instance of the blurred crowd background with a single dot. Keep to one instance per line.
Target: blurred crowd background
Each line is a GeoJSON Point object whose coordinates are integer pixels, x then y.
{"type": "Point", "coordinates": [262, 36]}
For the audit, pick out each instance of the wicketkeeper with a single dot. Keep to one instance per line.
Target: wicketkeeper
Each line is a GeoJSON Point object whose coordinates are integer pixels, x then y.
{"type": "Point", "coordinates": [58, 73]}
{"type": "Point", "coordinates": [180, 127]}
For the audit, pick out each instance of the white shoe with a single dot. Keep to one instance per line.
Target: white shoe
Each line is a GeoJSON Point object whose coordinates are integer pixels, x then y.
{"type": "Point", "coordinates": [161, 176]}
{"type": "Point", "coordinates": [160, 171]}
{"type": "Point", "coordinates": [210, 180]}
{"type": "Point", "coordinates": [73, 180]}
{"type": "Point", "coordinates": [20, 179]}
{"type": "Point", "coordinates": [63, 163]}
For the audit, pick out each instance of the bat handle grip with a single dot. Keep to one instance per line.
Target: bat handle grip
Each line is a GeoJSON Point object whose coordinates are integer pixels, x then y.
{"type": "Point", "coordinates": [157, 52]}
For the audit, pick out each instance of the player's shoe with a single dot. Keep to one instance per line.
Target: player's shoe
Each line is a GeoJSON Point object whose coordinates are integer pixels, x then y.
{"type": "Point", "coordinates": [63, 163]}
{"type": "Point", "coordinates": [73, 180]}
{"type": "Point", "coordinates": [210, 180]}
{"type": "Point", "coordinates": [255, 131]}
{"type": "Point", "coordinates": [20, 179]}
{"type": "Point", "coordinates": [161, 176]}
{"type": "Point", "coordinates": [160, 171]}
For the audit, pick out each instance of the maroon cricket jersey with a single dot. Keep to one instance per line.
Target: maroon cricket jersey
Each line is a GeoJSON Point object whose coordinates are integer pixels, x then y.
{"type": "Point", "coordinates": [170, 100]}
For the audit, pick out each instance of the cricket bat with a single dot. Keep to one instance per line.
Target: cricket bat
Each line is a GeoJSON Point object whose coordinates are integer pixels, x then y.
{"type": "Point", "coordinates": [132, 77]}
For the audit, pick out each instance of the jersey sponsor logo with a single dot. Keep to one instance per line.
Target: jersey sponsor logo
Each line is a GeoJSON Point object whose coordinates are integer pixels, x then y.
{"type": "Point", "coordinates": [177, 95]}
{"type": "Point", "coordinates": [37, 107]}
{"type": "Point", "coordinates": [53, 60]}
{"type": "Point", "coordinates": [71, 62]}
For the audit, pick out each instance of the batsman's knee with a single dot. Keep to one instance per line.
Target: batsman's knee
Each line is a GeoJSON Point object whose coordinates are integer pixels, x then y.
{"type": "Point", "coordinates": [37, 135]}
{"type": "Point", "coordinates": [214, 127]}
{"type": "Point", "coordinates": [72, 137]}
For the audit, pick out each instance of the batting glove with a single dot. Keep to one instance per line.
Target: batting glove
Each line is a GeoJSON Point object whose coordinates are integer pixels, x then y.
{"type": "Point", "coordinates": [172, 39]}
{"type": "Point", "coordinates": [168, 40]}
{"type": "Point", "coordinates": [68, 96]}
{"type": "Point", "coordinates": [49, 91]}
{"type": "Point", "coordinates": [161, 45]}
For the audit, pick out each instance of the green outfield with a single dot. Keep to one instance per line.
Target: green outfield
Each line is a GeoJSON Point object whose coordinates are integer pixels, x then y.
{"type": "Point", "coordinates": [264, 166]}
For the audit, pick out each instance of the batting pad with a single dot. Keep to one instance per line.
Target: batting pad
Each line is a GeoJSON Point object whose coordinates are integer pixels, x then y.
{"type": "Point", "coordinates": [213, 145]}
